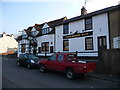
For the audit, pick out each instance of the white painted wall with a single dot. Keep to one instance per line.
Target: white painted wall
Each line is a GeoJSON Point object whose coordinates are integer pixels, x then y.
{"type": "Point", "coordinates": [100, 28]}
{"type": "Point", "coordinates": [46, 38]}
{"type": "Point", "coordinates": [59, 38]}
{"type": "Point", "coordinates": [23, 41]}
{"type": "Point", "coordinates": [100, 24]}
{"type": "Point", "coordinates": [7, 42]}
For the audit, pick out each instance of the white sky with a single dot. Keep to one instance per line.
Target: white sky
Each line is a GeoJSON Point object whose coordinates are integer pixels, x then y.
{"type": "Point", "coordinates": [91, 5]}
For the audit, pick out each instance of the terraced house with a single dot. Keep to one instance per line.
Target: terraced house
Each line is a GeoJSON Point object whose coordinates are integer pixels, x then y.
{"type": "Point", "coordinates": [85, 34]}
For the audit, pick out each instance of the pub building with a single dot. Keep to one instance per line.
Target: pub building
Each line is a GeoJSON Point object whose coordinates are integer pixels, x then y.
{"type": "Point", "coordinates": [89, 32]}
{"type": "Point", "coordinates": [85, 34]}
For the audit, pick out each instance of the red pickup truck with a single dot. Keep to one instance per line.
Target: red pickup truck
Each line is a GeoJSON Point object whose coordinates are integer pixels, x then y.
{"type": "Point", "coordinates": [67, 63]}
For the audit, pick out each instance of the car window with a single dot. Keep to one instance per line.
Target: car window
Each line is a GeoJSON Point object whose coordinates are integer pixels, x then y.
{"type": "Point", "coordinates": [31, 56]}
{"type": "Point", "coordinates": [60, 57]}
{"type": "Point", "coordinates": [21, 56]}
{"type": "Point", "coordinates": [25, 56]}
{"type": "Point", "coordinates": [71, 57]}
{"type": "Point", "coordinates": [52, 58]}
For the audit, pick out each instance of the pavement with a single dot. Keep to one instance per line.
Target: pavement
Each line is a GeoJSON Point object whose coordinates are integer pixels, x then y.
{"type": "Point", "coordinates": [112, 78]}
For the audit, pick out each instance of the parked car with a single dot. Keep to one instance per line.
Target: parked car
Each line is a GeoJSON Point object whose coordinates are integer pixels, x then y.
{"type": "Point", "coordinates": [28, 60]}
{"type": "Point", "coordinates": [67, 63]}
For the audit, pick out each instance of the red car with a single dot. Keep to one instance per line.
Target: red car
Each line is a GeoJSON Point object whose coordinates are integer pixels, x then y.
{"type": "Point", "coordinates": [67, 63]}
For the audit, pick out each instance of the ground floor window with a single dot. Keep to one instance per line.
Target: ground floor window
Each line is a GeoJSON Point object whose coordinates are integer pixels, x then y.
{"type": "Point", "coordinates": [89, 43]}
{"type": "Point", "coordinates": [45, 46]}
{"type": "Point", "coordinates": [65, 45]}
{"type": "Point", "coordinates": [23, 48]}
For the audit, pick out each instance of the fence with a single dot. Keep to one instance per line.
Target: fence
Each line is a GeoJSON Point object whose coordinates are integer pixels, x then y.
{"type": "Point", "coordinates": [109, 61]}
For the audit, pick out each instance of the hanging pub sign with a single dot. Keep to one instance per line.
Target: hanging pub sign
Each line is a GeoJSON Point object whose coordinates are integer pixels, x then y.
{"type": "Point", "coordinates": [78, 35]}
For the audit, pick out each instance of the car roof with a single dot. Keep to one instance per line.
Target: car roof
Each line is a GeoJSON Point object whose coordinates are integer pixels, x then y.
{"type": "Point", "coordinates": [26, 54]}
{"type": "Point", "coordinates": [64, 53]}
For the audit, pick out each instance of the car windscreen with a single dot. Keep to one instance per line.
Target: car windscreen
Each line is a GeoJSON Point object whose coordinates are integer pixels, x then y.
{"type": "Point", "coordinates": [32, 57]}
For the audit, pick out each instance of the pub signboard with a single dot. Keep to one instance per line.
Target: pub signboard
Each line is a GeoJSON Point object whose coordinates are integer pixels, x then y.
{"type": "Point", "coordinates": [78, 35]}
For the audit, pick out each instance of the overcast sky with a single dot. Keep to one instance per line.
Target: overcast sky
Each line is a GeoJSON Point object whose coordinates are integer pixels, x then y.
{"type": "Point", "coordinates": [20, 14]}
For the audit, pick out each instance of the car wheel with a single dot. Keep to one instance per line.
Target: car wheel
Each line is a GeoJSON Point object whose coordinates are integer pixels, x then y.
{"type": "Point", "coordinates": [70, 74]}
{"type": "Point", "coordinates": [18, 63]}
{"type": "Point", "coordinates": [28, 66]}
{"type": "Point", "coordinates": [42, 68]}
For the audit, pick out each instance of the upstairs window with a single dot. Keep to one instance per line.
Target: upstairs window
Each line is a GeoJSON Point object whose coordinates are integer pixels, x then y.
{"type": "Point", "coordinates": [88, 23]}
{"type": "Point", "coordinates": [66, 28]}
{"type": "Point", "coordinates": [33, 33]}
{"type": "Point", "coordinates": [45, 30]}
{"type": "Point", "coordinates": [24, 36]}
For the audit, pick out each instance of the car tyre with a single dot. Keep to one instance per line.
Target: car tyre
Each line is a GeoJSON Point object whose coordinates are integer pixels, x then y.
{"type": "Point", "coordinates": [70, 74]}
{"type": "Point", "coordinates": [42, 68]}
{"type": "Point", "coordinates": [28, 66]}
{"type": "Point", "coordinates": [18, 63]}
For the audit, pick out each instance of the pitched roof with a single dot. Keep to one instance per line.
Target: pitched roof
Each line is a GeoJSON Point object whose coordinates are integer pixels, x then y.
{"type": "Point", "coordinates": [51, 24]}
{"type": "Point", "coordinates": [28, 31]}
{"type": "Point", "coordinates": [105, 10]}
{"type": "Point", "coordinates": [38, 27]}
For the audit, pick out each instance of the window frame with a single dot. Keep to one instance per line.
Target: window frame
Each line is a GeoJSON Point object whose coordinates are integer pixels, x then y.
{"type": "Point", "coordinates": [23, 48]}
{"type": "Point", "coordinates": [55, 57]}
{"type": "Point", "coordinates": [24, 36]}
{"type": "Point", "coordinates": [44, 46]}
{"type": "Point", "coordinates": [62, 57]}
{"type": "Point", "coordinates": [88, 24]}
{"type": "Point", "coordinates": [45, 30]}
{"type": "Point", "coordinates": [89, 45]}
{"type": "Point", "coordinates": [66, 28]}
{"type": "Point", "coordinates": [66, 45]}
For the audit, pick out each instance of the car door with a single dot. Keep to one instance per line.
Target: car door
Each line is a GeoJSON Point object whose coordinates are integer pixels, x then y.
{"type": "Point", "coordinates": [51, 61]}
{"type": "Point", "coordinates": [25, 59]}
{"type": "Point", "coordinates": [21, 59]}
{"type": "Point", "coordinates": [59, 63]}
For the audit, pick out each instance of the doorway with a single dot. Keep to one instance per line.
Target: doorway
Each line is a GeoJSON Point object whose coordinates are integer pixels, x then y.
{"type": "Point", "coordinates": [102, 43]}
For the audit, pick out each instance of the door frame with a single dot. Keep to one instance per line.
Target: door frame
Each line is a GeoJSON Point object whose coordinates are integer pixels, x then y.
{"type": "Point", "coordinates": [102, 37]}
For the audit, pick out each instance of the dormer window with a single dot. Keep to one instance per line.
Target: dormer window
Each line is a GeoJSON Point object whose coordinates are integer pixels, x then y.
{"type": "Point", "coordinates": [33, 33]}
{"type": "Point", "coordinates": [45, 30]}
{"type": "Point", "coordinates": [24, 36]}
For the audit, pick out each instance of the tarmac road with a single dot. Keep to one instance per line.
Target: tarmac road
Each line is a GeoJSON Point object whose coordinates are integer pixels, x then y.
{"type": "Point", "coordinates": [21, 77]}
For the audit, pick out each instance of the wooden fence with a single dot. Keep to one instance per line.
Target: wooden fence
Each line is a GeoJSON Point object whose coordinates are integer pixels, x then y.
{"type": "Point", "coordinates": [109, 61]}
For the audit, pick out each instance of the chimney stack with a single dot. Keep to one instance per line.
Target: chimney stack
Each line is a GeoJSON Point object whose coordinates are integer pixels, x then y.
{"type": "Point", "coordinates": [83, 11]}
{"type": "Point", "coordinates": [119, 3]}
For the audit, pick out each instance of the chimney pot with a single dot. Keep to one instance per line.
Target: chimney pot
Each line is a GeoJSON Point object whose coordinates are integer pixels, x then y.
{"type": "Point", "coordinates": [83, 11]}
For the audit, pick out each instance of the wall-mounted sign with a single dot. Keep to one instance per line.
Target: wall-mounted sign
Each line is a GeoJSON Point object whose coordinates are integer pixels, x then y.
{"type": "Point", "coordinates": [78, 35]}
